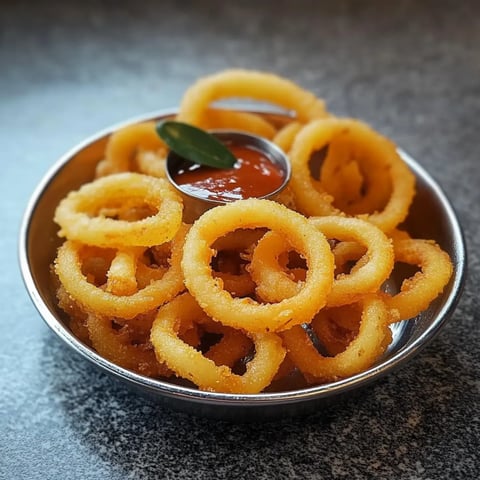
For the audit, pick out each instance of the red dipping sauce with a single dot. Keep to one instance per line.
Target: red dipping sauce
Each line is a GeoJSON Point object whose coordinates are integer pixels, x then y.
{"type": "Point", "coordinates": [253, 175]}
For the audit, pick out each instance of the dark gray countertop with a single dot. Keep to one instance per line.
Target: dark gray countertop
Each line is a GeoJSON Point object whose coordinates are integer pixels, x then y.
{"type": "Point", "coordinates": [68, 69]}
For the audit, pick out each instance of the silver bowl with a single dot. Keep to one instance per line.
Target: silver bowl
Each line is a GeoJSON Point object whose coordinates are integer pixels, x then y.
{"type": "Point", "coordinates": [431, 216]}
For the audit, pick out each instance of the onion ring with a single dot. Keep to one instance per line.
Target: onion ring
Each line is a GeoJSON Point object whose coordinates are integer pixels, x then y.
{"type": "Point", "coordinates": [417, 292]}
{"type": "Point", "coordinates": [373, 271]}
{"type": "Point", "coordinates": [93, 298]}
{"type": "Point", "coordinates": [189, 363]}
{"type": "Point", "coordinates": [245, 312]}
{"type": "Point", "coordinates": [360, 354]}
{"type": "Point", "coordinates": [121, 278]}
{"type": "Point", "coordinates": [77, 212]}
{"type": "Point", "coordinates": [273, 283]}
{"type": "Point", "coordinates": [355, 170]}
{"type": "Point", "coordinates": [125, 144]}
{"type": "Point", "coordinates": [238, 284]}
{"type": "Point", "coordinates": [250, 84]}
{"type": "Point", "coordinates": [311, 196]}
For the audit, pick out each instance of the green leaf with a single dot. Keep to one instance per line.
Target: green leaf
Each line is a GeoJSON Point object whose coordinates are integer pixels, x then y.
{"type": "Point", "coordinates": [195, 144]}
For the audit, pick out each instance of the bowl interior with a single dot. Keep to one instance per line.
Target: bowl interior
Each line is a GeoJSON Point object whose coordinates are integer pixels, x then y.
{"type": "Point", "coordinates": [431, 216]}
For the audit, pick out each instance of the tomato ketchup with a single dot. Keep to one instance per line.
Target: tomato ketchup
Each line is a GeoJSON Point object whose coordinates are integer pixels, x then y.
{"type": "Point", "coordinates": [253, 175]}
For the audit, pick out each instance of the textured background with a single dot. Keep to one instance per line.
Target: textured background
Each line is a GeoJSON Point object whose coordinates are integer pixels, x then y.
{"type": "Point", "coordinates": [68, 69]}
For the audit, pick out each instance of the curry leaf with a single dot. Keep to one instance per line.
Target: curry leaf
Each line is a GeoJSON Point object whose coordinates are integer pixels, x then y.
{"type": "Point", "coordinates": [195, 144]}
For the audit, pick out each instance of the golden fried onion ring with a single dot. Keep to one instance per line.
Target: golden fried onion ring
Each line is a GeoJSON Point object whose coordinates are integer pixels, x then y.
{"type": "Point", "coordinates": [274, 283]}
{"type": "Point", "coordinates": [189, 363]}
{"type": "Point", "coordinates": [311, 196]}
{"type": "Point", "coordinates": [126, 144]}
{"type": "Point", "coordinates": [370, 342]}
{"type": "Point", "coordinates": [376, 264]}
{"type": "Point", "coordinates": [265, 87]}
{"type": "Point", "coordinates": [93, 298]}
{"type": "Point", "coordinates": [417, 292]}
{"type": "Point", "coordinates": [79, 213]}
{"type": "Point", "coordinates": [245, 312]}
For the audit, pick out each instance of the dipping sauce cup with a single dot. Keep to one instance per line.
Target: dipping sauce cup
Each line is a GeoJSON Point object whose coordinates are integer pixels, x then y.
{"type": "Point", "coordinates": [262, 171]}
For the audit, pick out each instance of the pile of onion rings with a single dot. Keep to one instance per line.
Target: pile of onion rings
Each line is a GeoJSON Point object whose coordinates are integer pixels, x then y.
{"type": "Point", "coordinates": [254, 295]}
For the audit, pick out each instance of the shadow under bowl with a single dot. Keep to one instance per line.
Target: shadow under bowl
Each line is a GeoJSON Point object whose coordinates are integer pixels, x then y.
{"type": "Point", "coordinates": [431, 216]}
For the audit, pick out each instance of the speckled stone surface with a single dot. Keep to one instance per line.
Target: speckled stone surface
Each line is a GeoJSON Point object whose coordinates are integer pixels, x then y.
{"type": "Point", "coordinates": [68, 69]}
